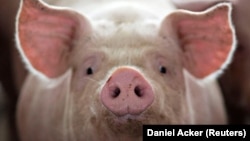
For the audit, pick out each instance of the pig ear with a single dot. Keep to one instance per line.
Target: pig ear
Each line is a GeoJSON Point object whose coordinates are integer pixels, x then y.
{"type": "Point", "coordinates": [46, 36]}
{"type": "Point", "coordinates": [206, 38]}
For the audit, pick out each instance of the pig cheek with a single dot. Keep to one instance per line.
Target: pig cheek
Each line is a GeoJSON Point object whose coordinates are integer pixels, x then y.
{"type": "Point", "coordinates": [176, 98]}
{"type": "Point", "coordinates": [85, 107]}
{"type": "Point", "coordinates": [79, 80]}
{"type": "Point", "coordinates": [86, 96]}
{"type": "Point", "coordinates": [167, 105]}
{"type": "Point", "coordinates": [176, 83]}
{"type": "Point", "coordinates": [169, 97]}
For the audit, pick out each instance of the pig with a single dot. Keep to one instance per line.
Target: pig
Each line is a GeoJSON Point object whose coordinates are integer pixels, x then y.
{"type": "Point", "coordinates": [102, 69]}
{"type": "Point", "coordinates": [236, 80]}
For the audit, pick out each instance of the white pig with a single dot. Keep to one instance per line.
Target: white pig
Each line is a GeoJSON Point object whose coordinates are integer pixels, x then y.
{"type": "Point", "coordinates": [99, 70]}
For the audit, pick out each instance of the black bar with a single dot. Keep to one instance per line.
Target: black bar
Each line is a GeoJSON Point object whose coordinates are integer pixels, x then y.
{"type": "Point", "coordinates": [196, 132]}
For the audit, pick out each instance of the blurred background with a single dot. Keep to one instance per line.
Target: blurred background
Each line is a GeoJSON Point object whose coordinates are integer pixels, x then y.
{"type": "Point", "coordinates": [9, 83]}
{"type": "Point", "coordinates": [234, 82]}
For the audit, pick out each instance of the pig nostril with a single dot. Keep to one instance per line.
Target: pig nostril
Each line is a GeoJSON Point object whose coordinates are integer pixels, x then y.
{"type": "Point", "coordinates": [138, 91]}
{"type": "Point", "coordinates": [116, 92]}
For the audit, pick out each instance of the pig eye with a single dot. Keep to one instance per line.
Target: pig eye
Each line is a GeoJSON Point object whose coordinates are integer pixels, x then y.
{"type": "Point", "coordinates": [89, 71]}
{"type": "Point", "coordinates": [163, 70]}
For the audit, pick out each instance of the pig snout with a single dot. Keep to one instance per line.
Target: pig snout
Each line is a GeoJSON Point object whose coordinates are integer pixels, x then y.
{"type": "Point", "coordinates": [127, 93]}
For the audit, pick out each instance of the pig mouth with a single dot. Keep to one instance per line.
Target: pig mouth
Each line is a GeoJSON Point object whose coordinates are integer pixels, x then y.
{"type": "Point", "coordinates": [128, 118]}
{"type": "Point", "coordinates": [129, 125]}
{"type": "Point", "coordinates": [126, 125]}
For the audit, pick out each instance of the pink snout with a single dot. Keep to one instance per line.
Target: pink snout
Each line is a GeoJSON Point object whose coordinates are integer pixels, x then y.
{"type": "Point", "coordinates": [127, 93]}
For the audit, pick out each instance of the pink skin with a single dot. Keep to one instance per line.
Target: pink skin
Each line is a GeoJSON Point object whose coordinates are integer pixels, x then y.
{"type": "Point", "coordinates": [127, 93]}
{"type": "Point", "coordinates": [103, 82]}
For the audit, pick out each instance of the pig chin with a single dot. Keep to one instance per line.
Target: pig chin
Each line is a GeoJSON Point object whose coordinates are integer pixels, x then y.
{"type": "Point", "coordinates": [131, 125]}
{"type": "Point", "coordinates": [127, 125]}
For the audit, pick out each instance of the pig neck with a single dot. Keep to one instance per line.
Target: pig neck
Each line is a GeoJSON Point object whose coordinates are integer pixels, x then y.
{"type": "Point", "coordinates": [209, 94]}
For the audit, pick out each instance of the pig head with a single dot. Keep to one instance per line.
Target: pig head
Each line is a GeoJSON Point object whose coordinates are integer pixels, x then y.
{"type": "Point", "coordinates": [103, 77]}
